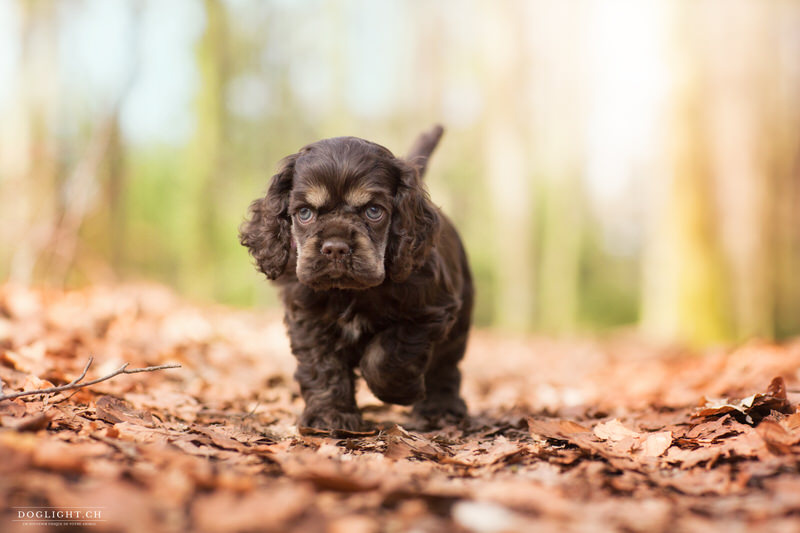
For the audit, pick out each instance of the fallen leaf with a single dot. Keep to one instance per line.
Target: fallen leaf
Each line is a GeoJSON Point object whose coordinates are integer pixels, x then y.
{"type": "Point", "coordinates": [32, 423]}
{"type": "Point", "coordinates": [555, 429]}
{"type": "Point", "coordinates": [218, 438]}
{"type": "Point", "coordinates": [334, 433]}
{"type": "Point", "coordinates": [754, 408]}
{"type": "Point", "coordinates": [11, 409]}
{"type": "Point", "coordinates": [613, 430]}
{"type": "Point", "coordinates": [655, 444]}
{"type": "Point", "coordinates": [328, 474]}
{"type": "Point", "coordinates": [215, 447]}
{"type": "Point", "coordinates": [114, 411]}
{"type": "Point", "coordinates": [401, 444]}
{"type": "Point", "coordinates": [486, 453]}
{"type": "Point", "coordinates": [776, 437]}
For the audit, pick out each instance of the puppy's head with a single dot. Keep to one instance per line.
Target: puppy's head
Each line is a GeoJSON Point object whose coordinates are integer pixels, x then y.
{"type": "Point", "coordinates": [352, 211]}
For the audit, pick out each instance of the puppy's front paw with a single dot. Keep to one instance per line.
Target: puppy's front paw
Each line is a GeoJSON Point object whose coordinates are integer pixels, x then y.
{"type": "Point", "coordinates": [393, 379]}
{"type": "Point", "coordinates": [393, 387]}
{"type": "Point", "coordinates": [440, 406]}
{"type": "Point", "coordinates": [332, 419]}
{"type": "Point", "coordinates": [404, 392]}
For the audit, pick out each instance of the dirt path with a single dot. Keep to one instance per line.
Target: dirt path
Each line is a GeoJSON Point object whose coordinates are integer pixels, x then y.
{"type": "Point", "coordinates": [564, 435]}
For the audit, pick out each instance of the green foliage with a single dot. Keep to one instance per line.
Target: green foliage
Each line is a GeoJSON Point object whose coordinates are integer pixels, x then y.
{"type": "Point", "coordinates": [608, 299]}
{"type": "Point", "coordinates": [274, 76]}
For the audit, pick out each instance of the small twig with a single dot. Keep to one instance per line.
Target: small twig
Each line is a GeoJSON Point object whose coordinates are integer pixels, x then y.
{"type": "Point", "coordinates": [74, 384]}
{"type": "Point", "coordinates": [252, 411]}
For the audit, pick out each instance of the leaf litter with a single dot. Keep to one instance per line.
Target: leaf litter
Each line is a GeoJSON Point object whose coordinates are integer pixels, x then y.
{"type": "Point", "coordinates": [563, 435]}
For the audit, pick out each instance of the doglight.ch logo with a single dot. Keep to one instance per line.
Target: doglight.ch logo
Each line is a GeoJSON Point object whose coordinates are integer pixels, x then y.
{"type": "Point", "coordinates": [58, 516]}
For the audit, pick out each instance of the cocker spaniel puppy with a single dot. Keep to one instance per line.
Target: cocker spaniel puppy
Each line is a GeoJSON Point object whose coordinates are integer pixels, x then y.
{"type": "Point", "coordinates": [372, 276]}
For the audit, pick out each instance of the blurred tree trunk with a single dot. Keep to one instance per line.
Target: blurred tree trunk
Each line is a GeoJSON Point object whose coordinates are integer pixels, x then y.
{"type": "Point", "coordinates": [787, 286]}
{"type": "Point", "coordinates": [741, 72]}
{"type": "Point", "coordinates": [558, 146]}
{"type": "Point", "coordinates": [116, 169]}
{"type": "Point", "coordinates": [507, 172]}
{"type": "Point", "coordinates": [30, 151]}
{"type": "Point", "coordinates": [684, 295]}
{"type": "Point", "coordinates": [206, 158]}
{"type": "Point", "coordinates": [561, 253]}
{"type": "Point", "coordinates": [98, 173]}
{"type": "Point", "coordinates": [784, 163]}
{"type": "Point", "coordinates": [116, 179]}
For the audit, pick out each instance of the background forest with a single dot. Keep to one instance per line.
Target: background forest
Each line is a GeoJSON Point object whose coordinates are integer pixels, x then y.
{"type": "Point", "coordinates": [614, 163]}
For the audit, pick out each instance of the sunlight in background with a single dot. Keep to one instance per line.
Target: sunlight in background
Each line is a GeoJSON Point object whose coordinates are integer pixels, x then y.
{"type": "Point", "coordinates": [97, 52]}
{"type": "Point", "coordinates": [9, 52]}
{"type": "Point", "coordinates": [590, 144]}
{"type": "Point", "coordinates": [159, 108]}
{"type": "Point", "coordinates": [629, 77]}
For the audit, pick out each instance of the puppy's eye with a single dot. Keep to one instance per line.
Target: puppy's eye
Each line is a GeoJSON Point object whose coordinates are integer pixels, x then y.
{"type": "Point", "coordinates": [305, 215]}
{"type": "Point", "coordinates": [374, 213]}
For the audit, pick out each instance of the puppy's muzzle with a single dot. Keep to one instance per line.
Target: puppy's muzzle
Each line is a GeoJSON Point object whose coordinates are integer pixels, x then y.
{"type": "Point", "coordinates": [336, 250]}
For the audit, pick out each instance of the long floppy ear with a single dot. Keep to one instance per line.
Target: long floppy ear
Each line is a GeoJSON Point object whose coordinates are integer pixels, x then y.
{"type": "Point", "coordinates": [415, 224]}
{"type": "Point", "coordinates": [267, 230]}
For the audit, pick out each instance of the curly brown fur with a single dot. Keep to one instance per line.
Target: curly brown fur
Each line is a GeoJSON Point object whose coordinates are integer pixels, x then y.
{"type": "Point", "coordinates": [372, 276]}
{"type": "Point", "coordinates": [266, 233]}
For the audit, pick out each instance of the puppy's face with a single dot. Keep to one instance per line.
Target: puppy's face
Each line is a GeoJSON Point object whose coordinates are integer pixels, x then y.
{"type": "Point", "coordinates": [340, 208]}
{"type": "Point", "coordinates": [350, 210]}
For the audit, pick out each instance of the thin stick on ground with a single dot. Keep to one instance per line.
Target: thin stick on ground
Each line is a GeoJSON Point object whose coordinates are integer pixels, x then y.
{"type": "Point", "coordinates": [75, 383]}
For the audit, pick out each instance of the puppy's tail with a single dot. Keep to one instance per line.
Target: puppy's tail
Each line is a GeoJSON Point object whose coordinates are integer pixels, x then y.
{"type": "Point", "coordinates": [423, 147]}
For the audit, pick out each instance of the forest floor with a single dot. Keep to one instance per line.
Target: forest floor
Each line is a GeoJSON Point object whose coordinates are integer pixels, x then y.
{"type": "Point", "coordinates": [563, 435]}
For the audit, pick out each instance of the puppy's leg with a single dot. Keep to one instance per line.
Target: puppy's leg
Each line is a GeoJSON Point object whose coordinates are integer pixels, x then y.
{"type": "Point", "coordinates": [393, 365]}
{"type": "Point", "coordinates": [326, 383]}
{"type": "Point", "coordinates": [443, 381]}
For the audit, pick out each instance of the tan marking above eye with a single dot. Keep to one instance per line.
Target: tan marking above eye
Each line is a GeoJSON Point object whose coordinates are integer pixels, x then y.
{"type": "Point", "coordinates": [358, 197]}
{"type": "Point", "coordinates": [317, 195]}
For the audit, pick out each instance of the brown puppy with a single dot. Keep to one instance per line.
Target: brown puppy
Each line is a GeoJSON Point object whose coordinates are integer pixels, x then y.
{"type": "Point", "coordinates": [372, 275]}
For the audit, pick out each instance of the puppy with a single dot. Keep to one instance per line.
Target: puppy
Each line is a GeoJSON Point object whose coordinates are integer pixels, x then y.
{"type": "Point", "coordinates": [372, 276]}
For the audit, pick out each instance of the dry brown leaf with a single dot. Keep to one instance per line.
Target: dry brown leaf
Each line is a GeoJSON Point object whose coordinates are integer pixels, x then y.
{"type": "Point", "coordinates": [487, 452]}
{"type": "Point", "coordinates": [717, 481]}
{"type": "Point", "coordinates": [655, 444]}
{"type": "Point", "coordinates": [32, 383]}
{"type": "Point", "coordinates": [327, 474]}
{"type": "Point", "coordinates": [64, 457]}
{"type": "Point", "coordinates": [401, 444]}
{"type": "Point", "coordinates": [193, 449]}
{"type": "Point", "coordinates": [32, 423]}
{"type": "Point", "coordinates": [113, 410]}
{"type": "Point", "coordinates": [218, 438]}
{"type": "Point", "coordinates": [614, 430]}
{"type": "Point", "coordinates": [690, 458]}
{"type": "Point", "coordinates": [776, 437]}
{"type": "Point", "coordinates": [334, 433]}
{"type": "Point", "coordinates": [133, 432]}
{"type": "Point", "coordinates": [353, 524]}
{"type": "Point", "coordinates": [28, 359]}
{"type": "Point", "coordinates": [12, 408]}
{"type": "Point", "coordinates": [792, 422]}
{"type": "Point", "coordinates": [555, 429]}
{"type": "Point", "coordinates": [754, 407]}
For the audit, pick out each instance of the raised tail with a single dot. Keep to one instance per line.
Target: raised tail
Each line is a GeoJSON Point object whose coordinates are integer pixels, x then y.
{"type": "Point", "coordinates": [423, 147]}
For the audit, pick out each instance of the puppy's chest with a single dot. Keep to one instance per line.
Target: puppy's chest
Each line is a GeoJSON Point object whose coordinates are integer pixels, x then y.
{"type": "Point", "coordinates": [354, 327]}
{"type": "Point", "coordinates": [346, 322]}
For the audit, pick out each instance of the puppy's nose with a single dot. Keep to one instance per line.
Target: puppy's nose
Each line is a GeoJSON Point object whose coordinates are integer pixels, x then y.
{"type": "Point", "coordinates": [335, 249]}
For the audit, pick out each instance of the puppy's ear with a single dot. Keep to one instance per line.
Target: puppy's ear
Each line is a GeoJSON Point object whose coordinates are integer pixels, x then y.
{"type": "Point", "coordinates": [415, 224]}
{"type": "Point", "coordinates": [267, 230]}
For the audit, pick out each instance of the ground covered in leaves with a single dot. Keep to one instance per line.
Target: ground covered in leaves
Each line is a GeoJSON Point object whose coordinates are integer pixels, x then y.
{"type": "Point", "coordinates": [563, 435]}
